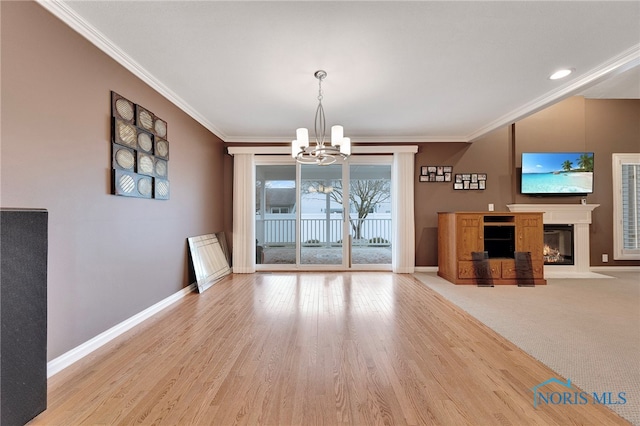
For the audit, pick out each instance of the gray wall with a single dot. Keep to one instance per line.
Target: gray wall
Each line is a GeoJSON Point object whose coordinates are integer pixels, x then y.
{"type": "Point", "coordinates": [109, 257]}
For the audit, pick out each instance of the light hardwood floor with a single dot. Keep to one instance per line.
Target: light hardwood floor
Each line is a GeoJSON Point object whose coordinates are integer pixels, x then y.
{"type": "Point", "coordinates": [359, 348]}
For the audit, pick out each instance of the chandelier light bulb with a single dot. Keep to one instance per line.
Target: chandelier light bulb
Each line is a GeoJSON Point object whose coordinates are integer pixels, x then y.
{"type": "Point", "coordinates": [337, 134]}
{"type": "Point", "coordinates": [345, 146]}
{"type": "Point", "coordinates": [302, 136]}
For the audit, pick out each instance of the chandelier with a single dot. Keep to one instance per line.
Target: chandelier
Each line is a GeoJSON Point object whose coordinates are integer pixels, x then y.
{"type": "Point", "coordinates": [321, 154]}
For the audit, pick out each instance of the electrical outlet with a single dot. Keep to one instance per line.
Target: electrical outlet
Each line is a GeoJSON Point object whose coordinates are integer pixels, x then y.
{"type": "Point", "coordinates": [605, 257]}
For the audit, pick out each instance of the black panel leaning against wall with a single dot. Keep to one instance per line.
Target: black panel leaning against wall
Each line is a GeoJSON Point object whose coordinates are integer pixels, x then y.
{"type": "Point", "coordinates": [139, 151]}
{"type": "Point", "coordinates": [23, 314]}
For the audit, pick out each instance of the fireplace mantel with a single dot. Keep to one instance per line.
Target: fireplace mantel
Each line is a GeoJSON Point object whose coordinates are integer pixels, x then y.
{"type": "Point", "coordinates": [578, 215]}
{"type": "Point", "coordinates": [558, 213]}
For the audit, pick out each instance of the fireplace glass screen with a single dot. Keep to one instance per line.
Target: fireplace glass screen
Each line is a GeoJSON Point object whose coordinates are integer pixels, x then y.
{"type": "Point", "coordinates": [558, 245]}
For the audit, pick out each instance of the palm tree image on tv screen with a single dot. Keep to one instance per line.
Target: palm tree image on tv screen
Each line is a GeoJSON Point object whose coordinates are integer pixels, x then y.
{"type": "Point", "coordinates": [569, 173]}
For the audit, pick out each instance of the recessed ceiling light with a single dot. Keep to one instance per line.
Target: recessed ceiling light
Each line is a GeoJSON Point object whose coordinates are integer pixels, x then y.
{"type": "Point", "coordinates": [560, 74]}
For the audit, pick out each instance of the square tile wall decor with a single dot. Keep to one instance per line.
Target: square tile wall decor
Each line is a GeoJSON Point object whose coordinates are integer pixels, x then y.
{"type": "Point", "coordinates": [139, 151]}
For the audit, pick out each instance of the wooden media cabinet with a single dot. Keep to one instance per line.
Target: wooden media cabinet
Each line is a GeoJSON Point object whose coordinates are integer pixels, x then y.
{"type": "Point", "coordinates": [491, 248]}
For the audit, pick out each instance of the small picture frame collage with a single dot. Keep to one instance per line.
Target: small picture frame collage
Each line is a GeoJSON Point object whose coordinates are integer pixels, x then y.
{"type": "Point", "coordinates": [436, 173]}
{"type": "Point", "coordinates": [474, 181]}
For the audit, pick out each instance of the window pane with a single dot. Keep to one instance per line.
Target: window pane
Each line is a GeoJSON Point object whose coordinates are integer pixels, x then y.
{"type": "Point", "coordinates": [370, 213]}
{"type": "Point", "coordinates": [321, 215]}
{"type": "Point", "coordinates": [275, 214]}
{"type": "Point", "coordinates": [626, 206]}
{"type": "Point", "coordinates": [630, 196]}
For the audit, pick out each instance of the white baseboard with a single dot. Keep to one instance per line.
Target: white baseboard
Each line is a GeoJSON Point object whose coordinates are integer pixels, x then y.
{"type": "Point", "coordinates": [63, 361]}
{"type": "Point", "coordinates": [571, 274]}
{"type": "Point", "coordinates": [426, 269]}
{"type": "Point", "coordinates": [615, 268]}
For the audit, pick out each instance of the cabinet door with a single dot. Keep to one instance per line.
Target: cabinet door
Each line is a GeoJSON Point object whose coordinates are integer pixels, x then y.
{"type": "Point", "coordinates": [469, 236]}
{"type": "Point", "coordinates": [529, 235]}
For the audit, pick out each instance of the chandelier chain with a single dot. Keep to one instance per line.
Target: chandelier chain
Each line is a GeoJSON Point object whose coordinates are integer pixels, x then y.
{"type": "Point", "coordinates": [320, 93]}
{"type": "Point", "coordinates": [320, 126]}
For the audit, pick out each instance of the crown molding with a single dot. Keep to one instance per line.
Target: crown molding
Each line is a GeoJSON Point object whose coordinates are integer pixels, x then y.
{"type": "Point", "coordinates": [284, 150]}
{"type": "Point", "coordinates": [626, 60]}
{"type": "Point", "coordinates": [67, 15]}
{"type": "Point", "coordinates": [363, 139]}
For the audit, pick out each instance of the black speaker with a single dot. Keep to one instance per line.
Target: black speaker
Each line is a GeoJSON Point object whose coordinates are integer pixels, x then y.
{"type": "Point", "coordinates": [23, 315]}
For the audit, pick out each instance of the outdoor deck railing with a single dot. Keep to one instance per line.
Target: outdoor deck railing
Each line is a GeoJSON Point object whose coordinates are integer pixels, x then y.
{"type": "Point", "coordinates": [322, 232]}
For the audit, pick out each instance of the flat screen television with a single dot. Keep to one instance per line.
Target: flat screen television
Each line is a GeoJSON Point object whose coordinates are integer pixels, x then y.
{"type": "Point", "coordinates": [557, 173]}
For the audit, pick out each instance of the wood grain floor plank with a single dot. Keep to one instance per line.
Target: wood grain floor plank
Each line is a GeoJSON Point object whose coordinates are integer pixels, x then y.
{"type": "Point", "coordinates": [357, 348]}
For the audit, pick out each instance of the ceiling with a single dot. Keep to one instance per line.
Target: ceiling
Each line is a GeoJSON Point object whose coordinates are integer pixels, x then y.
{"type": "Point", "coordinates": [398, 71]}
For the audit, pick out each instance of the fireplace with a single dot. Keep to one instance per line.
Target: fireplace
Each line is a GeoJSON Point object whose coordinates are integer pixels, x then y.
{"type": "Point", "coordinates": [558, 244]}
{"type": "Point", "coordinates": [579, 217]}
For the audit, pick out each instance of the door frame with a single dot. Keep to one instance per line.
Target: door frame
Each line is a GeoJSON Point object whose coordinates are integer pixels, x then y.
{"type": "Point", "coordinates": [346, 265]}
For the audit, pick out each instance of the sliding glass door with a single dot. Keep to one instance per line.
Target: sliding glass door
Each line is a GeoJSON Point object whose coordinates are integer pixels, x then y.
{"type": "Point", "coordinates": [313, 217]}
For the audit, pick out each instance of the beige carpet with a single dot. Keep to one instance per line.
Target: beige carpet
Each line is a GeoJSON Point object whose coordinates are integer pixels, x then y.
{"type": "Point", "coordinates": [587, 330]}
